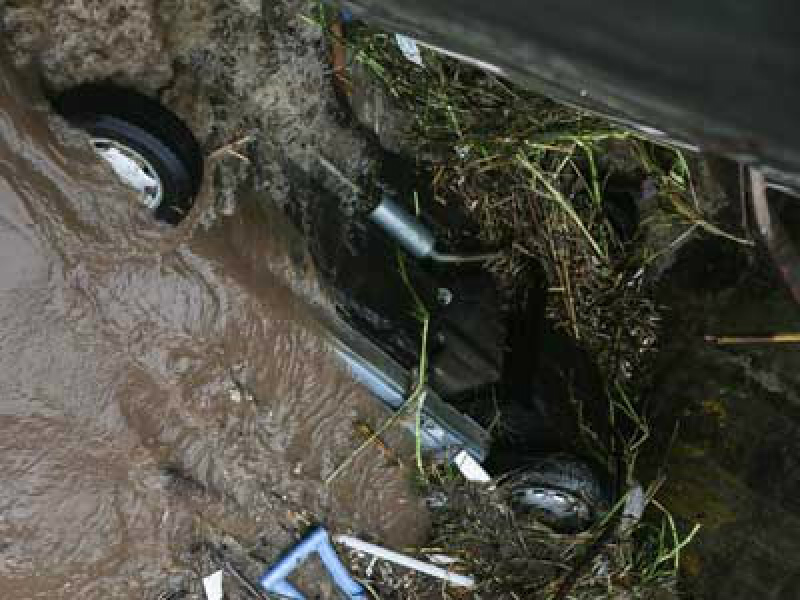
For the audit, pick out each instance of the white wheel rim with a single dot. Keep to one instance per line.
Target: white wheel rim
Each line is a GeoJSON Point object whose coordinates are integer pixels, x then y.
{"type": "Point", "coordinates": [133, 169]}
{"type": "Point", "coordinates": [557, 502]}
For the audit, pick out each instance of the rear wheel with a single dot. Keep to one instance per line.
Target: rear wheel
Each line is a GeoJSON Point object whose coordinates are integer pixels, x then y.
{"type": "Point", "coordinates": [559, 490]}
{"type": "Point", "coordinates": [150, 149]}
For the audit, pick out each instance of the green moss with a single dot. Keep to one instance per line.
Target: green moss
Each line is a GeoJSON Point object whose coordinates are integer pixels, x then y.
{"type": "Point", "coordinates": [699, 491]}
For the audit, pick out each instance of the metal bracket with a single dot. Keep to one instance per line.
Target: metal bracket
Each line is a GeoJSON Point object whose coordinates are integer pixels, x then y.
{"type": "Point", "coordinates": [317, 540]}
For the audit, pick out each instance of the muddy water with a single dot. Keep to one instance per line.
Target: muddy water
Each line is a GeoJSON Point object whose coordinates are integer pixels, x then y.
{"type": "Point", "coordinates": [156, 386]}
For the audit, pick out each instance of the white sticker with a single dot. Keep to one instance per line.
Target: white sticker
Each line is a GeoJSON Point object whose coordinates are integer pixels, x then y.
{"type": "Point", "coordinates": [409, 48]}
{"type": "Point", "coordinates": [213, 586]}
{"type": "Point", "coordinates": [470, 468]}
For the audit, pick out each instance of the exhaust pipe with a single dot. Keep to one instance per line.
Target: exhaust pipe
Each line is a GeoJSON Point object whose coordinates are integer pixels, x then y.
{"type": "Point", "coordinates": [414, 237]}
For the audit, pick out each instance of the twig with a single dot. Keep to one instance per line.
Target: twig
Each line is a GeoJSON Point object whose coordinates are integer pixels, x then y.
{"type": "Point", "coordinates": [558, 197]}
{"type": "Point", "coordinates": [695, 218]}
{"type": "Point", "coordinates": [422, 374]}
{"type": "Point", "coordinates": [688, 174]}
{"type": "Point", "coordinates": [243, 581]}
{"type": "Point", "coordinates": [337, 173]}
{"type": "Point", "coordinates": [368, 432]}
{"type": "Point", "coordinates": [417, 396]}
{"type": "Point", "coordinates": [743, 187]}
{"type": "Point", "coordinates": [221, 561]}
{"type": "Point", "coordinates": [672, 245]}
{"type": "Point", "coordinates": [232, 149]}
{"type": "Point", "coordinates": [593, 550]}
{"type": "Point", "coordinates": [713, 229]}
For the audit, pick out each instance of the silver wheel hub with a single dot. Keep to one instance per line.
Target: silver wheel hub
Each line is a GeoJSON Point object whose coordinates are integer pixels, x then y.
{"type": "Point", "coordinates": [133, 169]}
{"type": "Point", "coordinates": [556, 502]}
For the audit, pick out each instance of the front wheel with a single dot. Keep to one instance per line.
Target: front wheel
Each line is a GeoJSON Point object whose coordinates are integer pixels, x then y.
{"type": "Point", "coordinates": [149, 148]}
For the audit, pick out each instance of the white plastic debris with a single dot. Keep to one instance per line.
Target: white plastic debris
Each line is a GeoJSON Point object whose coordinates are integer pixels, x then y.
{"type": "Point", "coordinates": [128, 170]}
{"type": "Point", "coordinates": [436, 500]}
{"type": "Point", "coordinates": [471, 468]}
{"type": "Point", "coordinates": [488, 67]}
{"type": "Point", "coordinates": [406, 561]}
{"type": "Point", "coordinates": [213, 586]}
{"type": "Point", "coordinates": [635, 503]}
{"type": "Point", "coordinates": [409, 48]}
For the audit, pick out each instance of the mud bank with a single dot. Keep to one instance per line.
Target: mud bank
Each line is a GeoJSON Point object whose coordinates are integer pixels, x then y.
{"type": "Point", "coordinates": [232, 70]}
{"type": "Point", "coordinates": [733, 464]}
{"type": "Point", "coordinates": [160, 388]}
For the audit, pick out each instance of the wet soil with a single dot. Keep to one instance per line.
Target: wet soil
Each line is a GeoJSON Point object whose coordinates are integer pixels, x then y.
{"type": "Point", "coordinates": [733, 465]}
{"type": "Point", "coordinates": [166, 389]}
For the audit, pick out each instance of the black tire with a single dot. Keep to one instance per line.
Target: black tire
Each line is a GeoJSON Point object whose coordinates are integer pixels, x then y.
{"type": "Point", "coordinates": [561, 491]}
{"type": "Point", "coordinates": [145, 126]}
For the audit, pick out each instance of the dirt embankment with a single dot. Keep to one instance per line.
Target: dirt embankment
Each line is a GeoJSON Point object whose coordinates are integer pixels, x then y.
{"type": "Point", "coordinates": [165, 389]}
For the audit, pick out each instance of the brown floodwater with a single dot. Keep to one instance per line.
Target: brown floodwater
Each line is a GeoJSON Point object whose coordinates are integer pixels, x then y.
{"type": "Point", "coordinates": [124, 437]}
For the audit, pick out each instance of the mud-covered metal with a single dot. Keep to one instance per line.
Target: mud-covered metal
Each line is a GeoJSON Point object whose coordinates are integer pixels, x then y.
{"type": "Point", "coordinates": [358, 263]}
{"type": "Point", "coordinates": [722, 75]}
{"type": "Point", "coordinates": [317, 541]}
{"type": "Point", "coordinates": [443, 429]}
{"type": "Point", "coordinates": [415, 238]}
{"type": "Point", "coordinates": [561, 490]}
{"type": "Point", "coordinates": [403, 228]}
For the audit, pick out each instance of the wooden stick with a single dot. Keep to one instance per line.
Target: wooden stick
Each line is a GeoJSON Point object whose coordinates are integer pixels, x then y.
{"type": "Point", "coordinates": [339, 58]}
{"type": "Point", "coordinates": [775, 338]}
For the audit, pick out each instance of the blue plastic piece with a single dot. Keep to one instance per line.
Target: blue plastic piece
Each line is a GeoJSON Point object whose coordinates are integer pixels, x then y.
{"type": "Point", "coordinates": [317, 540]}
{"type": "Point", "coordinates": [345, 14]}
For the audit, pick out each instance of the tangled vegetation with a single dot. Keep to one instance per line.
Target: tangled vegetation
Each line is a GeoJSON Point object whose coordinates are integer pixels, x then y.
{"type": "Point", "coordinates": [599, 208]}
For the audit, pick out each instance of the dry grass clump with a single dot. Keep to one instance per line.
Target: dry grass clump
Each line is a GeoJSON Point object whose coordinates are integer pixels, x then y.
{"type": "Point", "coordinates": [534, 175]}
{"type": "Point", "coordinates": [512, 556]}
